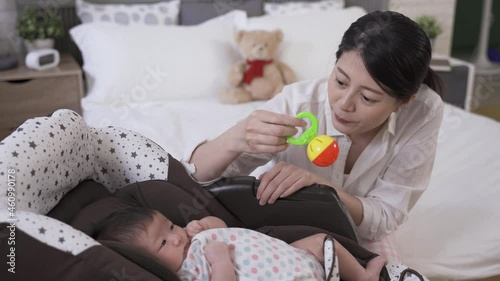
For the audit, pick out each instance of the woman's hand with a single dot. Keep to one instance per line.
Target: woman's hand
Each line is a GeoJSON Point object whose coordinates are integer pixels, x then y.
{"type": "Point", "coordinates": [282, 180]}
{"type": "Point", "coordinates": [265, 132]}
{"type": "Point", "coordinates": [261, 132]}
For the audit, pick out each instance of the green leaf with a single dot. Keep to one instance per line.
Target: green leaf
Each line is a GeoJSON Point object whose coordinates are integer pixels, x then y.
{"type": "Point", "coordinates": [429, 25]}
{"type": "Point", "coordinates": [35, 23]}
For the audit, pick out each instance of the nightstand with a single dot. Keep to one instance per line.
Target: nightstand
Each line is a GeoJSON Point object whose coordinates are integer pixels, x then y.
{"type": "Point", "coordinates": [26, 93]}
{"type": "Point", "coordinates": [459, 81]}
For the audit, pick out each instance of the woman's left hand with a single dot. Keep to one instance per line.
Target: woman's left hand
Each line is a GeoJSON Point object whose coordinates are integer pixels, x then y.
{"type": "Point", "coordinates": [282, 180]}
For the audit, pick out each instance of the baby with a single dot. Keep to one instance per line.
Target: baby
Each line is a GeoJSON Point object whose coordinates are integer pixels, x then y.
{"type": "Point", "coordinates": [207, 249]}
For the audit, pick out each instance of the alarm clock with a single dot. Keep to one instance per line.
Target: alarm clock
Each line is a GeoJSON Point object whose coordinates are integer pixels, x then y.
{"type": "Point", "coordinates": [42, 59]}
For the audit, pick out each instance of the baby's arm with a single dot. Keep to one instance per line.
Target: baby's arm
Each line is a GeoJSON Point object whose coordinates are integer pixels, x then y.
{"type": "Point", "coordinates": [217, 254]}
{"type": "Point", "coordinates": [196, 226]}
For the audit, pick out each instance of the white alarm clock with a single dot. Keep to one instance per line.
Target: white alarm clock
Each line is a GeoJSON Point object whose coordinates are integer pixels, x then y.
{"type": "Point", "coordinates": [42, 59]}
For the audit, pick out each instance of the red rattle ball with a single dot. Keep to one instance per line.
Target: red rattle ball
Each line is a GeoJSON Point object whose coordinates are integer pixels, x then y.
{"type": "Point", "coordinates": [323, 150]}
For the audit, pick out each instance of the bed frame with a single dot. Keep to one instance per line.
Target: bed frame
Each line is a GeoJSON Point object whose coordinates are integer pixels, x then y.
{"type": "Point", "coordinates": [191, 12]}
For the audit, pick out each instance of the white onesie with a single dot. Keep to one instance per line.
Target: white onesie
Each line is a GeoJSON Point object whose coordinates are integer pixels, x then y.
{"type": "Point", "coordinates": [255, 256]}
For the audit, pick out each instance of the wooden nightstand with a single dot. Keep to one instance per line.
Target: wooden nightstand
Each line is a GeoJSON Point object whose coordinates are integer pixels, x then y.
{"type": "Point", "coordinates": [26, 93]}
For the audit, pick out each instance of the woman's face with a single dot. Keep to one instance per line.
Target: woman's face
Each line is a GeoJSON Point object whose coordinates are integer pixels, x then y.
{"type": "Point", "coordinates": [359, 106]}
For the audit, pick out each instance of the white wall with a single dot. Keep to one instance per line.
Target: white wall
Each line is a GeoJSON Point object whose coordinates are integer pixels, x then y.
{"type": "Point", "coordinates": [443, 10]}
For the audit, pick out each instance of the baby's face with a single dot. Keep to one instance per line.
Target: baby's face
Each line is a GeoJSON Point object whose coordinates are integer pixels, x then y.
{"type": "Point", "coordinates": [166, 241]}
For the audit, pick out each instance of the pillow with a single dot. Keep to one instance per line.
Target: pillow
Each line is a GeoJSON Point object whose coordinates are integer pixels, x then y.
{"type": "Point", "coordinates": [234, 18]}
{"type": "Point", "coordinates": [310, 39]}
{"type": "Point", "coordinates": [125, 66]}
{"type": "Point", "coordinates": [291, 8]}
{"type": "Point", "coordinates": [162, 13]}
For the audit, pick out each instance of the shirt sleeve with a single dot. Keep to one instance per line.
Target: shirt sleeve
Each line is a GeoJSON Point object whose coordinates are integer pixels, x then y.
{"type": "Point", "coordinates": [397, 190]}
{"type": "Point", "coordinates": [190, 167]}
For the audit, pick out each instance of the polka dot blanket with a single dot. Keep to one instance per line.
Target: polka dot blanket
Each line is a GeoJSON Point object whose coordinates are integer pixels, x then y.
{"type": "Point", "coordinates": [255, 257]}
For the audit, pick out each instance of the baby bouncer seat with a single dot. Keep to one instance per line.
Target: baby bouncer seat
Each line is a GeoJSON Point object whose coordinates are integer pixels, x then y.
{"type": "Point", "coordinates": [62, 176]}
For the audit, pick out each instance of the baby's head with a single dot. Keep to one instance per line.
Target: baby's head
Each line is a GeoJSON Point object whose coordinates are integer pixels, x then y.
{"type": "Point", "coordinates": [149, 230]}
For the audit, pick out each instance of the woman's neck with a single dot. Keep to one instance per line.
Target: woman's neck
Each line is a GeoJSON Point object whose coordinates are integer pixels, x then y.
{"type": "Point", "coordinates": [365, 138]}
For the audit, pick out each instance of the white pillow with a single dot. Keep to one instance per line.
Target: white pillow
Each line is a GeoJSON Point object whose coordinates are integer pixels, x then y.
{"type": "Point", "coordinates": [162, 13]}
{"type": "Point", "coordinates": [290, 8]}
{"type": "Point", "coordinates": [137, 64]}
{"type": "Point", "coordinates": [234, 18]}
{"type": "Point", "coordinates": [310, 39]}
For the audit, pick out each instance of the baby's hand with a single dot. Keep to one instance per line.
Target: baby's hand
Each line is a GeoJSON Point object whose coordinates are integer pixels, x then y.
{"type": "Point", "coordinates": [217, 252]}
{"type": "Point", "coordinates": [194, 227]}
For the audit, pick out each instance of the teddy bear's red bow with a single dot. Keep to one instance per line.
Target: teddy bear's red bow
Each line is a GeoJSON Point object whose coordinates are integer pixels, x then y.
{"type": "Point", "coordinates": [255, 69]}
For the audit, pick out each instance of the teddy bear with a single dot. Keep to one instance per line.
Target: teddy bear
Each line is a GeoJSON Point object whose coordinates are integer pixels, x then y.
{"type": "Point", "coordinates": [260, 76]}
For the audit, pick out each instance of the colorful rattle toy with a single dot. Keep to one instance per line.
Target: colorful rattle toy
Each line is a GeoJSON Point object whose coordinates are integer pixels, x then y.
{"type": "Point", "coordinates": [321, 150]}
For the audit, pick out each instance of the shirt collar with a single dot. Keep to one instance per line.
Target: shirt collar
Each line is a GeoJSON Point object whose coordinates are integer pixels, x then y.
{"type": "Point", "coordinates": [391, 123]}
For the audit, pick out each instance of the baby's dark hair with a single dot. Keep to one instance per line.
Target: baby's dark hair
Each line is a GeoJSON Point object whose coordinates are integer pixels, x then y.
{"type": "Point", "coordinates": [125, 225]}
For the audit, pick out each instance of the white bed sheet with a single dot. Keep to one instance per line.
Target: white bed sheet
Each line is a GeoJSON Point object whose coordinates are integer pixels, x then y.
{"type": "Point", "coordinates": [453, 231]}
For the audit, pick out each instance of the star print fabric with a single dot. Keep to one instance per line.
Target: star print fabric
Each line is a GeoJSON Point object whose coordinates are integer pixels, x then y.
{"type": "Point", "coordinates": [53, 232]}
{"type": "Point", "coordinates": [51, 155]}
{"type": "Point", "coordinates": [255, 257]}
{"type": "Point", "coordinates": [124, 157]}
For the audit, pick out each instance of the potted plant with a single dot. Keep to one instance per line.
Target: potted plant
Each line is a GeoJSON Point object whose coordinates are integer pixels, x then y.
{"type": "Point", "coordinates": [39, 27]}
{"type": "Point", "coordinates": [430, 26]}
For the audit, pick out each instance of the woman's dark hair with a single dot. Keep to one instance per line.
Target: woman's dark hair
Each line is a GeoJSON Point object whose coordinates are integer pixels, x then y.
{"type": "Point", "coordinates": [395, 50]}
{"type": "Point", "coordinates": [125, 225]}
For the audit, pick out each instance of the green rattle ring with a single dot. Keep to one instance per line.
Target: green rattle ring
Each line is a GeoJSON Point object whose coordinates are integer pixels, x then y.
{"type": "Point", "coordinates": [309, 134]}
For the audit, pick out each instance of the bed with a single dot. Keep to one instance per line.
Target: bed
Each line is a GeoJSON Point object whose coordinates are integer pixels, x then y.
{"type": "Point", "coordinates": [162, 81]}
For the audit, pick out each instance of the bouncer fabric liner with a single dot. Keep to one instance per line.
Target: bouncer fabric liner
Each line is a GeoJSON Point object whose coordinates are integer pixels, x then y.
{"type": "Point", "coordinates": [69, 175]}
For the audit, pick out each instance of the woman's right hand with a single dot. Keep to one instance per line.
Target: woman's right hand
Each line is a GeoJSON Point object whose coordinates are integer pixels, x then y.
{"type": "Point", "coordinates": [264, 132]}
{"type": "Point", "coordinates": [261, 132]}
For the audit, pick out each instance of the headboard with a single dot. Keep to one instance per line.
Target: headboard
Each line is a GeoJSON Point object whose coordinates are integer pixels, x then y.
{"type": "Point", "coordinates": [191, 12]}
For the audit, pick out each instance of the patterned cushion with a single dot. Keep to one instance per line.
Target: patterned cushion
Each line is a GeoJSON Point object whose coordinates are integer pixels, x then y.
{"type": "Point", "coordinates": [50, 155]}
{"type": "Point", "coordinates": [47, 250]}
{"type": "Point", "coordinates": [51, 232]}
{"type": "Point", "coordinates": [45, 158]}
{"type": "Point", "coordinates": [163, 13]}
{"type": "Point", "coordinates": [290, 8]}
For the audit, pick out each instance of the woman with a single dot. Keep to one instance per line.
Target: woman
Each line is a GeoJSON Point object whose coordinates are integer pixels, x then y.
{"type": "Point", "coordinates": [379, 103]}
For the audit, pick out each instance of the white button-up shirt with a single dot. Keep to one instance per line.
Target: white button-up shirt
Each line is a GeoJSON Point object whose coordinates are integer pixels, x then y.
{"type": "Point", "coordinates": [390, 174]}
